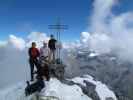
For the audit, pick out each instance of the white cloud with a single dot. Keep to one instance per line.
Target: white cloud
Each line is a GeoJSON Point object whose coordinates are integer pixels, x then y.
{"type": "Point", "coordinates": [3, 43]}
{"type": "Point", "coordinates": [84, 37]}
{"type": "Point", "coordinates": [101, 12]}
{"type": "Point", "coordinates": [120, 25]}
{"type": "Point", "coordinates": [100, 43]}
{"type": "Point", "coordinates": [37, 37]}
{"type": "Point", "coordinates": [14, 65]}
{"type": "Point", "coordinates": [109, 31]}
{"type": "Point", "coordinates": [16, 42]}
{"type": "Point", "coordinates": [71, 45]}
{"type": "Point", "coordinates": [14, 58]}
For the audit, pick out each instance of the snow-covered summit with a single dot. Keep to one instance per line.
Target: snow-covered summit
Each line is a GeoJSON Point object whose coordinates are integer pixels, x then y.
{"type": "Point", "coordinates": [63, 91]}
{"type": "Point", "coordinates": [75, 92]}
{"type": "Point", "coordinates": [60, 90]}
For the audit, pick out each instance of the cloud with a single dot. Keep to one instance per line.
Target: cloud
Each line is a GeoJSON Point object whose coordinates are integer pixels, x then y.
{"type": "Point", "coordinates": [3, 43]}
{"type": "Point", "coordinates": [122, 24]}
{"type": "Point", "coordinates": [13, 63]}
{"type": "Point", "coordinates": [16, 42]}
{"type": "Point", "coordinates": [71, 45]}
{"type": "Point", "coordinates": [101, 12]}
{"type": "Point", "coordinates": [14, 58]}
{"type": "Point", "coordinates": [108, 31]}
{"type": "Point", "coordinates": [100, 43]}
{"type": "Point", "coordinates": [84, 37]}
{"type": "Point", "coordinates": [37, 37]}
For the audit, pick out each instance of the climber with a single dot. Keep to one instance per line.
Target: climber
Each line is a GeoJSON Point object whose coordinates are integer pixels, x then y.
{"type": "Point", "coordinates": [44, 61]}
{"type": "Point", "coordinates": [33, 59]}
{"type": "Point", "coordinates": [34, 87]}
{"type": "Point", "coordinates": [44, 51]}
{"type": "Point", "coordinates": [51, 45]}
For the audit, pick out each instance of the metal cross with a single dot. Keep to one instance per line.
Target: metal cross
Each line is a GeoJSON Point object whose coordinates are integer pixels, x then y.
{"type": "Point", "coordinates": [58, 27]}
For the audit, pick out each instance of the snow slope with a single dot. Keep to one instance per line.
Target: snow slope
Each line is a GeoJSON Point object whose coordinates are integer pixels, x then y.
{"type": "Point", "coordinates": [66, 92]}
{"type": "Point", "coordinates": [102, 90]}
{"type": "Point", "coordinates": [60, 90]}
{"type": "Point", "coordinates": [63, 91]}
{"type": "Point", "coordinates": [15, 92]}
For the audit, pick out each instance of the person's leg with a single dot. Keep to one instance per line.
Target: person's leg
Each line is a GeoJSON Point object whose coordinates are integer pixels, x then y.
{"type": "Point", "coordinates": [50, 56]}
{"type": "Point", "coordinates": [48, 75]}
{"type": "Point", "coordinates": [31, 62]}
{"type": "Point", "coordinates": [38, 67]}
{"type": "Point", "coordinates": [47, 72]}
{"type": "Point", "coordinates": [36, 62]}
{"type": "Point", "coordinates": [53, 51]}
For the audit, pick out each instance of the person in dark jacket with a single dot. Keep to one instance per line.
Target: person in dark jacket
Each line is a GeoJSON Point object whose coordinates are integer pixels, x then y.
{"type": "Point", "coordinates": [52, 47]}
{"type": "Point", "coordinates": [33, 59]}
{"type": "Point", "coordinates": [34, 87]}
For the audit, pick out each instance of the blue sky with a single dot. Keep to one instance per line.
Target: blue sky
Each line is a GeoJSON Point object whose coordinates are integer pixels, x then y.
{"type": "Point", "coordinates": [20, 17]}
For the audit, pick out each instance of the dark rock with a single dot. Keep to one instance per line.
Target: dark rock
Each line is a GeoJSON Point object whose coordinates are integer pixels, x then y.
{"type": "Point", "coordinates": [57, 70]}
{"type": "Point", "coordinates": [89, 90]}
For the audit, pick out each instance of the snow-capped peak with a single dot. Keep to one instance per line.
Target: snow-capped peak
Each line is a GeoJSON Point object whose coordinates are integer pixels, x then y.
{"type": "Point", "coordinates": [102, 90]}
{"type": "Point", "coordinates": [64, 92]}
{"type": "Point", "coordinates": [61, 91]}
{"type": "Point", "coordinates": [74, 92]}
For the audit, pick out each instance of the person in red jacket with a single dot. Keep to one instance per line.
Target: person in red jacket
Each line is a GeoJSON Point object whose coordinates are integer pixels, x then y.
{"type": "Point", "coordinates": [33, 59]}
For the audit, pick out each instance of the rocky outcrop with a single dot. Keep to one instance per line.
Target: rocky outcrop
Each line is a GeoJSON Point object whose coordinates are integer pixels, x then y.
{"type": "Point", "coordinates": [57, 70]}
{"type": "Point", "coordinates": [89, 90]}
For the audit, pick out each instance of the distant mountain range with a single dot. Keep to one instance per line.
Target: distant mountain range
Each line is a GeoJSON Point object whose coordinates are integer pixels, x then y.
{"type": "Point", "coordinates": [108, 68]}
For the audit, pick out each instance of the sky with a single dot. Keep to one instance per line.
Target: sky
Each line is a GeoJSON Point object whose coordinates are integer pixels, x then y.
{"type": "Point", "coordinates": [20, 17]}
